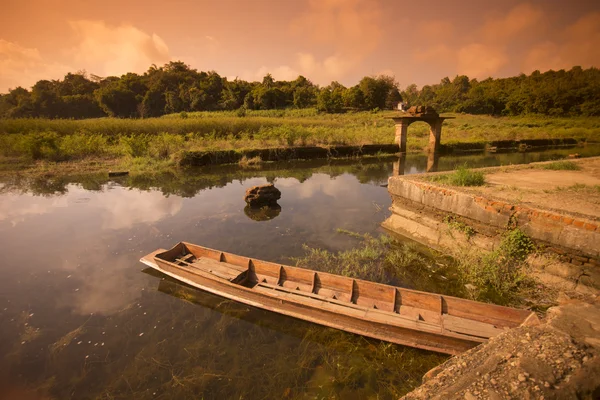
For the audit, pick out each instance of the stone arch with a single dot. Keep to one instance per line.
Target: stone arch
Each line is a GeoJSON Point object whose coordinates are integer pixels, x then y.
{"type": "Point", "coordinates": [435, 129]}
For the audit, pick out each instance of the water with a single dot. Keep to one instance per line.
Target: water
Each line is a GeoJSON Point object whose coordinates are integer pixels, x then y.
{"type": "Point", "coordinates": [80, 318]}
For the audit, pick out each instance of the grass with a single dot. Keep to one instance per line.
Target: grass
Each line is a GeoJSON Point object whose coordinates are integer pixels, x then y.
{"type": "Point", "coordinates": [163, 138]}
{"type": "Point", "coordinates": [462, 176]}
{"type": "Point", "coordinates": [499, 276]}
{"type": "Point", "coordinates": [456, 225]}
{"type": "Point", "coordinates": [581, 188]}
{"type": "Point", "coordinates": [562, 166]}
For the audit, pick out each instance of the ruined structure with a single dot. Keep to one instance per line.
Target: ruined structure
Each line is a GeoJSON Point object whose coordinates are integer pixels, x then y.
{"type": "Point", "coordinates": [419, 113]}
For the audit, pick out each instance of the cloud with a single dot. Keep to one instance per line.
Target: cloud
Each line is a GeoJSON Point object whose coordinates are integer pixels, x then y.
{"type": "Point", "coordinates": [115, 50]}
{"type": "Point", "coordinates": [283, 72]}
{"type": "Point", "coordinates": [23, 66]}
{"type": "Point", "coordinates": [435, 30]}
{"type": "Point", "coordinates": [480, 61]}
{"type": "Point", "coordinates": [437, 53]}
{"type": "Point", "coordinates": [16, 208]}
{"type": "Point", "coordinates": [125, 208]}
{"type": "Point", "coordinates": [519, 21]}
{"type": "Point", "coordinates": [578, 44]}
{"type": "Point", "coordinates": [347, 30]}
{"type": "Point", "coordinates": [101, 49]}
{"type": "Point", "coordinates": [476, 60]}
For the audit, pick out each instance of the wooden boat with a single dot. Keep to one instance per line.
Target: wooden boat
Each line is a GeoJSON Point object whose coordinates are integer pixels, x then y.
{"type": "Point", "coordinates": [424, 320]}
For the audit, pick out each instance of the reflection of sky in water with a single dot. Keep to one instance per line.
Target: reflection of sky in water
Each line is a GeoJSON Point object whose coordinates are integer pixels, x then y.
{"type": "Point", "coordinates": [84, 246]}
{"type": "Point", "coordinates": [65, 257]}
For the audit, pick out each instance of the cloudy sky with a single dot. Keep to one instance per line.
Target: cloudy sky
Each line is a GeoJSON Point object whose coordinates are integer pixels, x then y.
{"type": "Point", "coordinates": [418, 42]}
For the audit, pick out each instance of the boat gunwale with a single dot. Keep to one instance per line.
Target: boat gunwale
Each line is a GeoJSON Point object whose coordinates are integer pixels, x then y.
{"type": "Point", "coordinates": [521, 314]}
{"type": "Point", "coordinates": [464, 343]}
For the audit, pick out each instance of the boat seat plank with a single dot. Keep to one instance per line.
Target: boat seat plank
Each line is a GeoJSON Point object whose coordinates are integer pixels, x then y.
{"type": "Point", "coordinates": [350, 309]}
{"type": "Point", "coordinates": [322, 299]}
{"type": "Point", "coordinates": [470, 327]}
{"type": "Point", "coordinates": [220, 269]}
{"type": "Point", "coordinates": [297, 286]}
{"type": "Point", "coordinates": [333, 294]}
{"type": "Point", "coordinates": [420, 313]}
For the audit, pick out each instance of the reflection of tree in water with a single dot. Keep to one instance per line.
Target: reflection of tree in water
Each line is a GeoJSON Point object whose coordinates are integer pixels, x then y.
{"type": "Point", "coordinates": [264, 213]}
{"type": "Point", "coordinates": [188, 182]}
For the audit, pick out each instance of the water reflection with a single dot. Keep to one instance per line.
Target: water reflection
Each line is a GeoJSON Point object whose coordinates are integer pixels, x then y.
{"type": "Point", "coordinates": [265, 213]}
{"type": "Point", "coordinates": [433, 160]}
{"type": "Point", "coordinates": [78, 320]}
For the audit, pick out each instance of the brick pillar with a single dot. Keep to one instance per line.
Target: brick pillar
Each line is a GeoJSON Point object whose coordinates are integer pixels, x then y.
{"type": "Point", "coordinates": [435, 135]}
{"type": "Point", "coordinates": [401, 131]}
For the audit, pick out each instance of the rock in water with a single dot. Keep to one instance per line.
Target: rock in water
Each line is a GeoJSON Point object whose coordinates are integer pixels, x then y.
{"type": "Point", "coordinates": [265, 195]}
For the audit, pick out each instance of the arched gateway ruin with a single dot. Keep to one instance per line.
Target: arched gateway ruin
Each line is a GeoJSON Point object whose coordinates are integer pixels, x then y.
{"type": "Point", "coordinates": [420, 113]}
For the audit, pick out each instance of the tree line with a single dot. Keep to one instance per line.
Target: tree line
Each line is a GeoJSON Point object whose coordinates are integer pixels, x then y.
{"type": "Point", "coordinates": [175, 88]}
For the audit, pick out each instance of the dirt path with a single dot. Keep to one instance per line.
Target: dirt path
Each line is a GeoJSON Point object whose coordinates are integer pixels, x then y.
{"type": "Point", "coordinates": [570, 191]}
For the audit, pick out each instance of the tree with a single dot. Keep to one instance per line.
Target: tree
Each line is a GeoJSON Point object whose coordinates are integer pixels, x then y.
{"type": "Point", "coordinates": [117, 100]}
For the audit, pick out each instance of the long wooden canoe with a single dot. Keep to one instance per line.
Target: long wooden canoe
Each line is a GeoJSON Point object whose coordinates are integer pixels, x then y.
{"type": "Point", "coordinates": [425, 320]}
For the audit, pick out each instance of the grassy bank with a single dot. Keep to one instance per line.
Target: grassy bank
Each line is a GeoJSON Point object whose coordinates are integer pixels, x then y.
{"type": "Point", "coordinates": [163, 139]}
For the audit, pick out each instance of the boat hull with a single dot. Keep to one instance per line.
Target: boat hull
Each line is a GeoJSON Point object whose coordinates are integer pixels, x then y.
{"type": "Point", "coordinates": [435, 339]}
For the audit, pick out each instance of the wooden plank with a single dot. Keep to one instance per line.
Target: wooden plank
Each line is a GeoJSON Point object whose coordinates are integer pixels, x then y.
{"type": "Point", "coordinates": [199, 251]}
{"type": "Point", "coordinates": [402, 316]}
{"type": "Point", "coordinates": [298, 279]}
{"type": "Point", "coordinates": [450, 344]}
{"type": "Point", "coordinates": [325, 286]}
{"type": "Point", "coordinates": [223, 270]}
{"type": "Point", "coordinates": [351, 310]}
{"type": "Point", "coordinates": [427, 301]}
{"type": "Point", "coordinates": [374, 295]}
{"type": "Point", "coordinates": [235, 260]}
{"type": "Point", "coordinates": [470, 327]}
{"type": "Point", "coordinates": [482, 312]}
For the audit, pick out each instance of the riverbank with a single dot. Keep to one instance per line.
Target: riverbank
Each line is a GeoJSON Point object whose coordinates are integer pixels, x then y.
{"type": "Point", "coordinates": [555, 206]}
{"type": "Point", "coordinates": [160, 141]}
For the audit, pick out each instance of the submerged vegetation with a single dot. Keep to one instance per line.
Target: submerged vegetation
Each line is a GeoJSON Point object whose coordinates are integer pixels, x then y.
{"type": "Point", "coordinates": [462, 176]}
{"type": "Point", "coordinates": [382, 259]}
{"type": "Point", "coordinates": [497, 276]}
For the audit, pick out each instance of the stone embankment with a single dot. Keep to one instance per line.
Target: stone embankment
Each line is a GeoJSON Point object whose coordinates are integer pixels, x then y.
{"type": "Point", "coordinates": [558, 359]}
{"type": "Point", "coordinates": [563, 220]}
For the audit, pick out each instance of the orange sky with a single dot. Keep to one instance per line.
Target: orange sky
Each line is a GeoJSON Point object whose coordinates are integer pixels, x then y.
{"type": "Point", "coordinates": [418, 42]}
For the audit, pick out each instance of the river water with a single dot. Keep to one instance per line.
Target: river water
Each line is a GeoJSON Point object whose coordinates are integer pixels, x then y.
{"type": "Point", "coordinates": [80, 318]}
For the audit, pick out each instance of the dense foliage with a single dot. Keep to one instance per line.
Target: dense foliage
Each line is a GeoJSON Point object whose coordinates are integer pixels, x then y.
{"type": "Point", "coordinates": [556, 93]}
{"type": "Point", "coordinates": [176, 88]}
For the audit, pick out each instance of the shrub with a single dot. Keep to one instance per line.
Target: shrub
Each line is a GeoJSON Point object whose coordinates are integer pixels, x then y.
{"type": "Point", "coordinates": [461, 177]}
{"type": "Point", "coordinates": [135, 145]}
{"type": "Point", "coordinates": [43, 145]}
{"type": "Point", "coordinates": [499, 273]}
{"type": "Point", "coordinates": [83, 145]}
{"type": "Point", "coordinates": [164, 145]}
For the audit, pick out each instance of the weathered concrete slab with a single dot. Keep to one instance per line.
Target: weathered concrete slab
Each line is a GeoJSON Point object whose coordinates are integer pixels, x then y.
{"type": "Point", "coordinates": [419, 209]}
{"type": "Point", "coordinates": [559, 359]}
